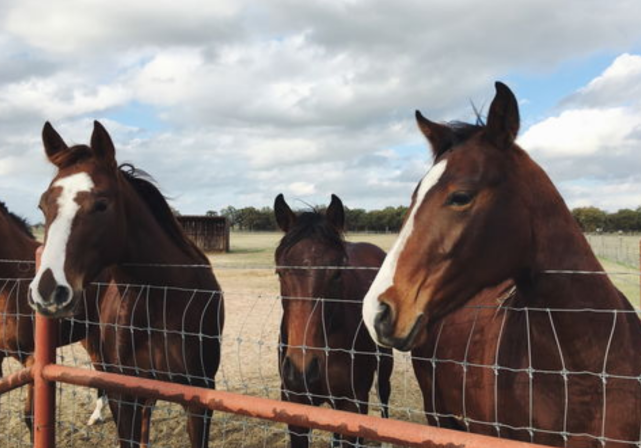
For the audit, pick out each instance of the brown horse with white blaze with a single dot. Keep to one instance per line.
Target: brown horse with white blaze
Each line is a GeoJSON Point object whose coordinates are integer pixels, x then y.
{"type": "Point", "coordinates": [161, 316]}
{"type": "Point", "coordinates": [325, 352]}
{"type": "Point", "coordinates": [505, 341]}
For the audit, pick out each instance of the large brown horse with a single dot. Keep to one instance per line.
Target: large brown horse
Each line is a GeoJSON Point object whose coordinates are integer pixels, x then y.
{"type": "Point", "coordinates": [162, 315]}
{"type": "Point", "coordinates": [504, 341]}
{"type": "Point", "coordinates": [325, 352]}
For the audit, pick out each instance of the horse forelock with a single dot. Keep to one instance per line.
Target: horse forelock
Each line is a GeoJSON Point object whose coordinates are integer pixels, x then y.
{"type": "Point", "coordinates": [311, 225]}
{"type": "Point", "coordinates": [72, 156]}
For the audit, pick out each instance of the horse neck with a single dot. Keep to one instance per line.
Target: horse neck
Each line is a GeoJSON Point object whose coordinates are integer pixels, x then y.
{"type": "Point", "coordinates": [16, 246]}
{"type": "Point", "coordinates": [147, 243]}
{"type": "Point", "coordinates": [559, 245]}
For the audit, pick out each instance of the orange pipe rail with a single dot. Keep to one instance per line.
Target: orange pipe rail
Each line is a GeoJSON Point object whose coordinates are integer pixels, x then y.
{"type": "Point", "coordinates": [347, 423]}
{"type": "Point", "coordinates": [15, 380]}
{"type": "Point", "coordinates": [44, 435]}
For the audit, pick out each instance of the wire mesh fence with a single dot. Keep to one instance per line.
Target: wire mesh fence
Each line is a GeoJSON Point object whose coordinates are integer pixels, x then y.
{"type": "Point", "coordinates": [16, 345]}
{"type": "Point", "coordinates": [622, 249]}
{"type": "Point", "coordinates": [252, 364]}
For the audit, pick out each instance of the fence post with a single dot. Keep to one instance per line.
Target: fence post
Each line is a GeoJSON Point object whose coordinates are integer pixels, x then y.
{"type": "Point", "coordinates": [44, 391]}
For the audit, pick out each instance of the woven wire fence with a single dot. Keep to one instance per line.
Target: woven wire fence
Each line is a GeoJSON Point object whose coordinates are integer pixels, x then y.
{"type": "Point", "coordinates": [250, 365]}
{"type": "Point", "coordinates": [622, 249]}
{"type": "Point", "coordinates": [16, 345]}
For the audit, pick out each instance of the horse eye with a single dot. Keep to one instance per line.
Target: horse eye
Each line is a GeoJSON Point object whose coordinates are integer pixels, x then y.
{"type": "Point", "coordinates": [100, 205]}
{"type": "Point", "coordinates": [460, 198]}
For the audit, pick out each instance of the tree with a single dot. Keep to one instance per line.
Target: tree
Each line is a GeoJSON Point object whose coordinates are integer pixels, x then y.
{"type": "Point", "coordinates": [355, 219]}
{"type": "Point", "coordinates": [625, 220]}
{"type": "Point", "coordinates": [231, 213]}
{"type": "Point", "coordinates": [590, 219]}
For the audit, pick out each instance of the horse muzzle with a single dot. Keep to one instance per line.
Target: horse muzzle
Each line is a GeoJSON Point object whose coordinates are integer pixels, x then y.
{"type": "Point", "coordinates": [51, 299]}
{"type": "Point", "coordinates": [385, 323]}
{"type": "Point", "coordinates": [297, 381]}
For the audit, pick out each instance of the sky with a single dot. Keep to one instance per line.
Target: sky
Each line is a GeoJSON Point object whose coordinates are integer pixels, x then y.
{"type": "Point", "coordinates": [230, 102]}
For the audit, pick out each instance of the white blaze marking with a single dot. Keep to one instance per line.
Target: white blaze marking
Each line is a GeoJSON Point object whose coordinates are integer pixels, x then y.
{"type": "Point", "coordinates": [385, 277]}
{"type": "Point", "coordinates": [55, 251]}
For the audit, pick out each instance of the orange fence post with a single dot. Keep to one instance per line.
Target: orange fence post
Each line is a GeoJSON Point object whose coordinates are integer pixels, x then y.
{"type": "Point", "coordinates": [44, 391]}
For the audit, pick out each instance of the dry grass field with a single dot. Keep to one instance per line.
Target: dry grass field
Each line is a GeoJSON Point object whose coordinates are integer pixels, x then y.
{"type": "Point", "coordinates": [249, 361]}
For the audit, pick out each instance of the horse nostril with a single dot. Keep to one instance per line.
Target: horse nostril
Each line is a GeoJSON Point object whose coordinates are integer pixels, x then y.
{"type": "Point", "coordinates": [313, 373]}
{"type": "Point", "coordinates": [383, 319]}
{"type": "Point", "coordinates": [61, 295]}
{"type": "Point", "coordinates": [289, 372]}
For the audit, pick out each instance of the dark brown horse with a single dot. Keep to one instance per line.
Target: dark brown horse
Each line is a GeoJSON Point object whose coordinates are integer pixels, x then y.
{"type": "Point", "coordinates": [17, 254]}
{"type": "Point", "coordinates": [503, 342]}
{"type": "Point", "coordinates": [325, 352]}
{"type": "Point", "coordinates": [162, 314]}
{"type": "Point", "coordinates": [17, 266]}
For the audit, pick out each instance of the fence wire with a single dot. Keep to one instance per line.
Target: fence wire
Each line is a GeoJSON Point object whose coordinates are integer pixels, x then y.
{"type": "Point", "coordinates": [250, 362]}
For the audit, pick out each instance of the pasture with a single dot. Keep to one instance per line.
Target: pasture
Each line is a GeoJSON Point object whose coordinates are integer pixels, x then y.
{"type": "Point", "coordinates": [249, 362]}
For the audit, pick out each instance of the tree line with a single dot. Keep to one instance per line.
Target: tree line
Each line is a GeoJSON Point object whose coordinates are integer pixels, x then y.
{"type": "Point", "coordinates": [593, 219]}
{"type": "Point", "coordinates": [388, 219]}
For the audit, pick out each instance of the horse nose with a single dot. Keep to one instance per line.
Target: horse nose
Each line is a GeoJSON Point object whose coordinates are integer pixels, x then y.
{"type": "Point", "coordinates": [61, 295]}
{"type": "Point", "coordinates": [49, 297]}
{"type": "Point", "coordinates": [383, 321]}
{"type": "Point", "coordinates": [295, 380]}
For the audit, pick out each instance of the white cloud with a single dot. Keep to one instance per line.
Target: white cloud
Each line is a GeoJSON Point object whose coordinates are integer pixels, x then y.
{"type": "Point", "coordinates": [301, 188]}
{"type": "Point", "coordinates": [580, 132]}
{"type": "Point", "coordinates": [619, 84]}
{"type": "Point", "coordinates": [70, 26]}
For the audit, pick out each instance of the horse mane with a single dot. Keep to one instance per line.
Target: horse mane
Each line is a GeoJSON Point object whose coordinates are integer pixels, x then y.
{"type": "Point", "coordinates": [19, 221]}
{"type": "Point", "coordinates": [145, 186]}
{"type": "Point", "coordinates": [312, 224]}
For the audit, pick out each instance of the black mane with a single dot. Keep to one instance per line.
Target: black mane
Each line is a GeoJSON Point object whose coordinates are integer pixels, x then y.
{"type": "Point", "coordinates": [144, 185]}
{"type": "Point", "coordinates": [19, 221]}
{"type": "Point", "coordinates": [314, 225]}
{"type": "Point", "coordinates": [461, 132]}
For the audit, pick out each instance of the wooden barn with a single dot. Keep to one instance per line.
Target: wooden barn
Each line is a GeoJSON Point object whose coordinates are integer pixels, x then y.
{"type": "Point", "coordinates": [210, 233]}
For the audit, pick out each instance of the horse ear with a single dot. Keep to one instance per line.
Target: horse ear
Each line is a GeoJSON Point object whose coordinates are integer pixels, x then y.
{"type": "Point", "coordinates": [503, 119]}
{"type": "Point", "coordinates": [53, 143]}
{"type": "Point", "coordinates": [439, 136]}
{"type": "Point", "coordinates": [336, 213]}
{"type": "Point", "coordinates": [285, 217]}
{"type": "Point", "coordinates": [102, 145]}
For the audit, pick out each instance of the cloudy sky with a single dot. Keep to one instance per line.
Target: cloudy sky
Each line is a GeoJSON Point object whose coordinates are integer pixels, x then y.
{"type": "Point", "coordinates": [232, 102]}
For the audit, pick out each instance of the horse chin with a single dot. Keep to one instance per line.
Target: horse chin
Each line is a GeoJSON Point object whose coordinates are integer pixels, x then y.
{"type": "Point", "coordinates": [55, 311]}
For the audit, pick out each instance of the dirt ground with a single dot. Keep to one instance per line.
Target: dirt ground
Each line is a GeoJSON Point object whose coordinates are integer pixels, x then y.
{"type": "Point", "coordinates": [249, 363]}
